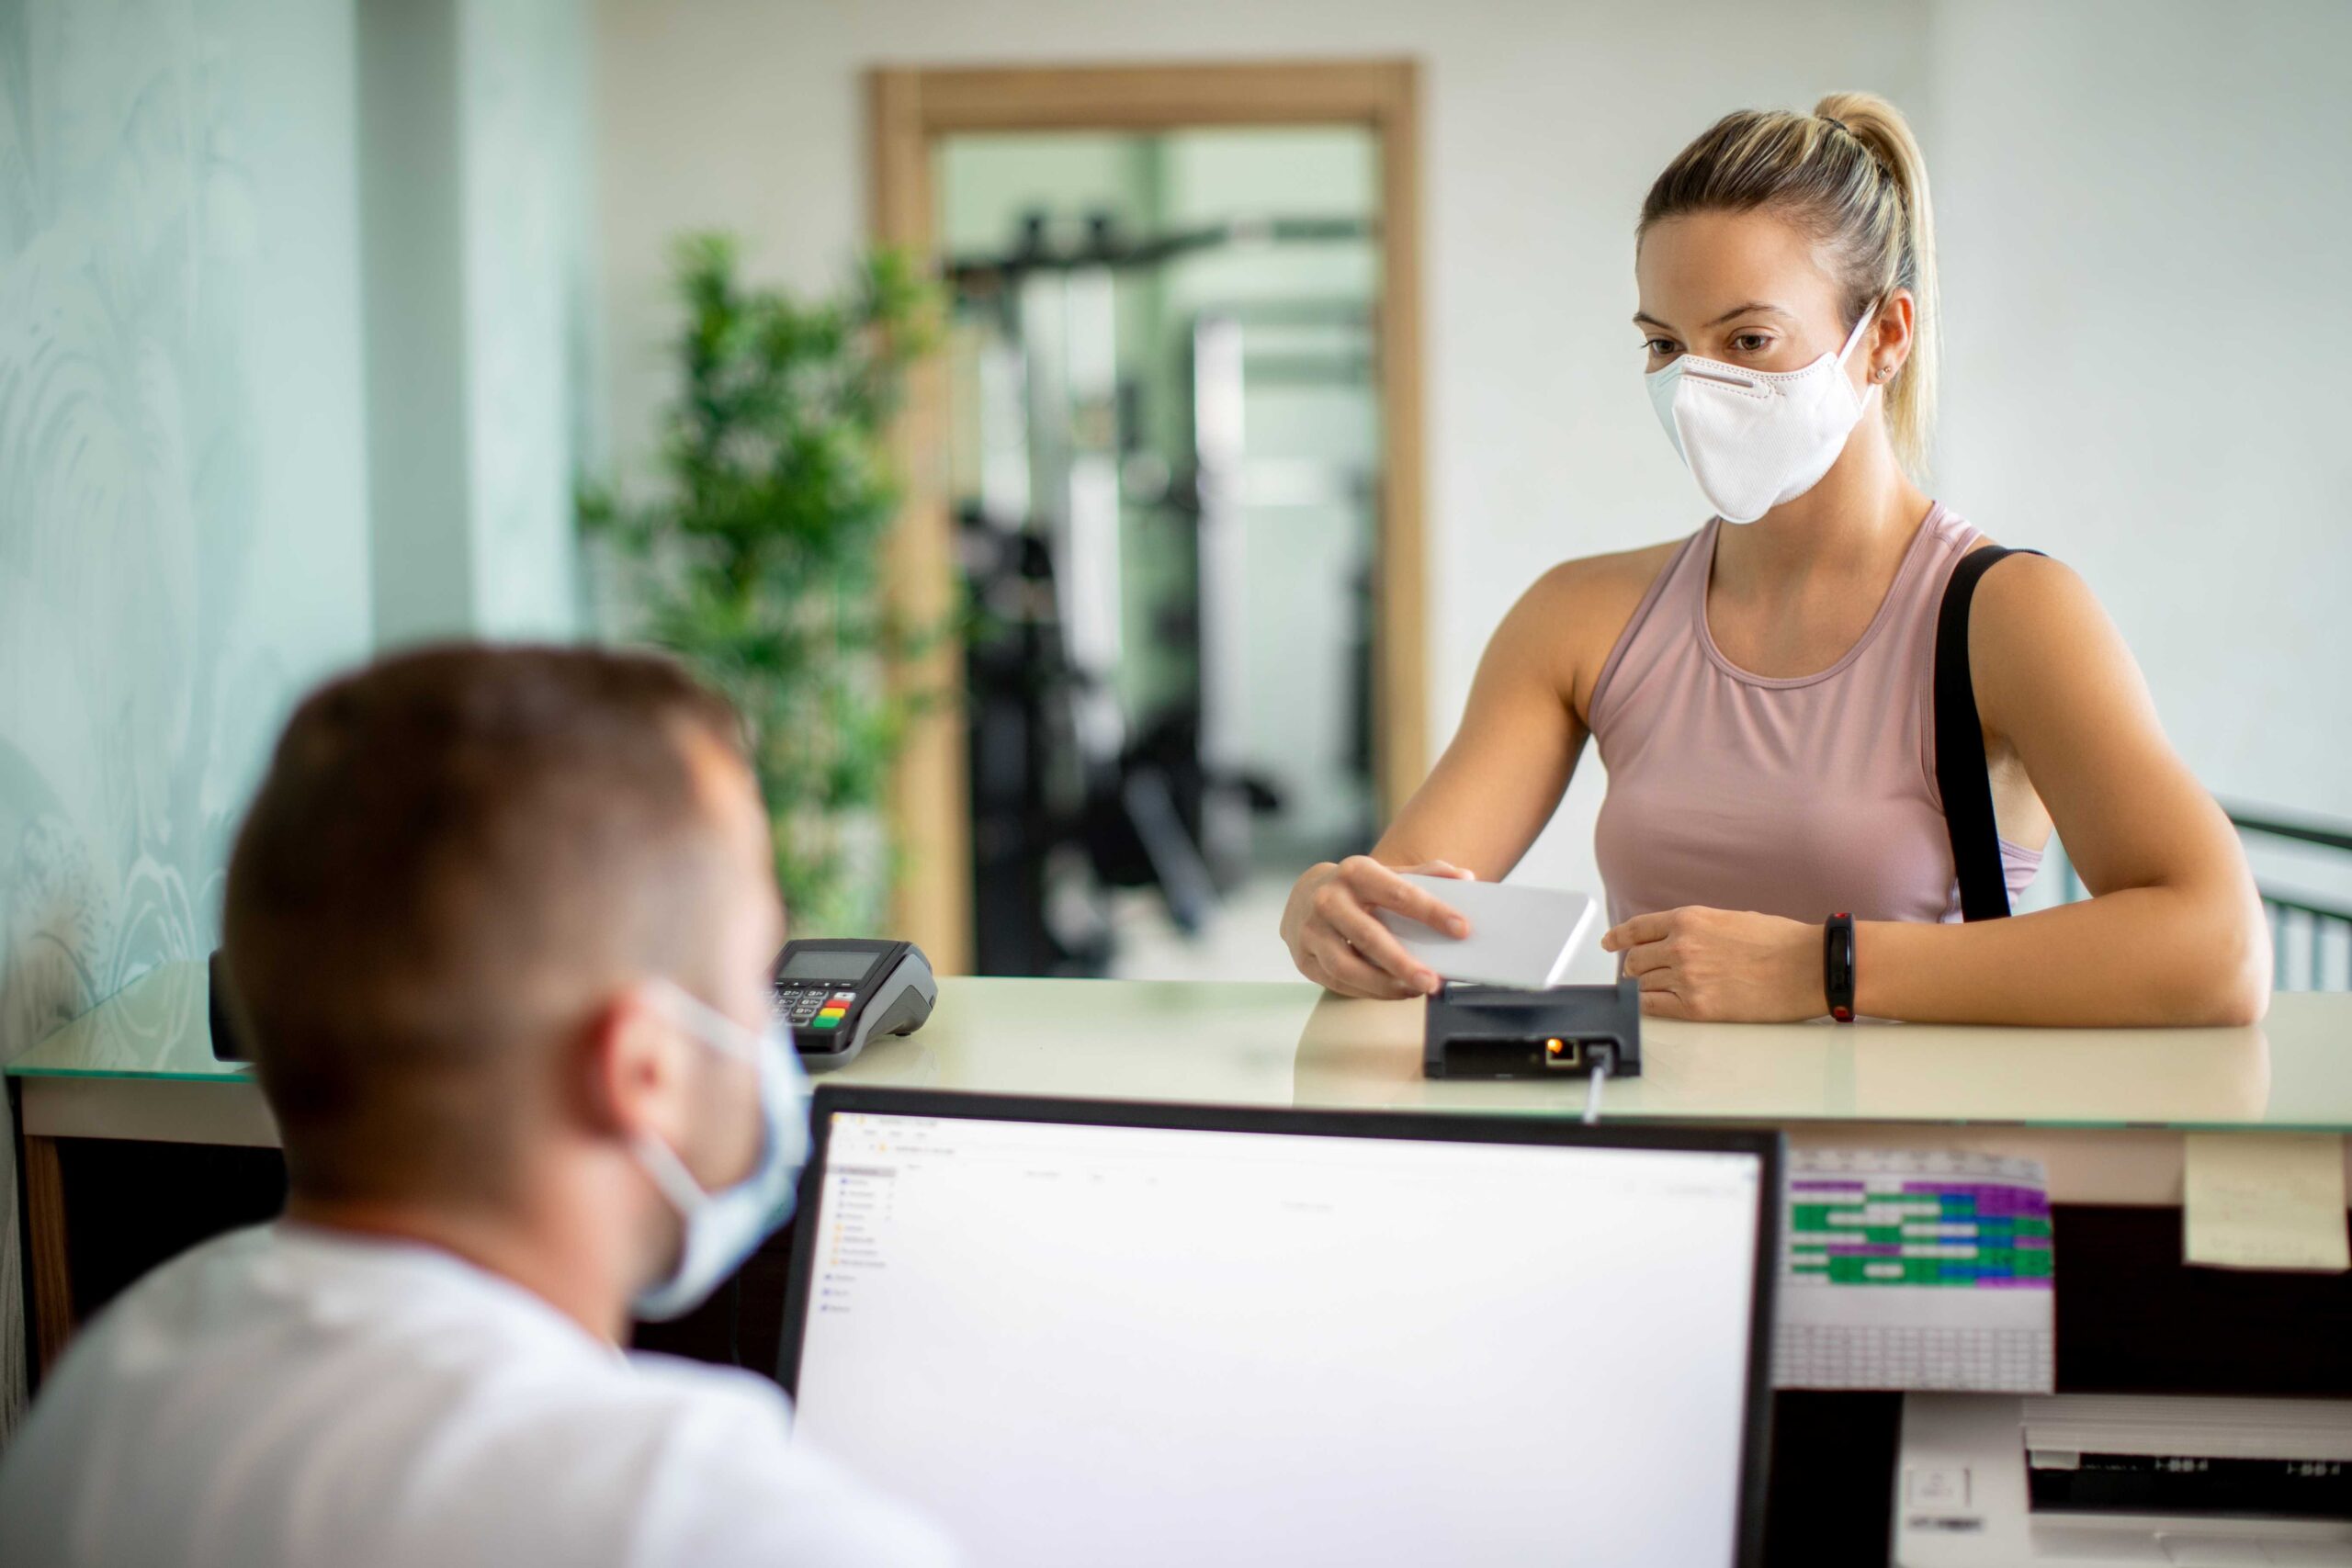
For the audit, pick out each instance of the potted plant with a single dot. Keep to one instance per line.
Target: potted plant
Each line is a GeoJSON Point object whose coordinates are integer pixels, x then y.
{"type": "Point", "coordinates": [758, 560]}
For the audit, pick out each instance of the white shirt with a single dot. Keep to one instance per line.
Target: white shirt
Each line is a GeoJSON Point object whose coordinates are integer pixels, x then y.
{"type": "Point", "coordinates": [289, 1395]}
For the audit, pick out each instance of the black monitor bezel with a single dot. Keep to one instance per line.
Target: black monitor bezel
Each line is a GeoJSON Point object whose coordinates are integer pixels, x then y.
{"type": "Point", "coordinates": [1767, 1145]}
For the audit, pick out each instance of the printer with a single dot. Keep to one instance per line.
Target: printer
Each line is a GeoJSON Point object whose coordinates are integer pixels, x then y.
{"type": "Point", "coordinates": [2099, 1481]}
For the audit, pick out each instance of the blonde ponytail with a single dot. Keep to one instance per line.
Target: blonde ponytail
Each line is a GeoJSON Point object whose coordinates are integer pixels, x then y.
{"type": "Point", "coordinates": [1852, 172]}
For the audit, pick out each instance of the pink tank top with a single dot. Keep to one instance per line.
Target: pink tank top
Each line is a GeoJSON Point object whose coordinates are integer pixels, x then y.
{"type": "Point", "coordinates": [1799, 796]}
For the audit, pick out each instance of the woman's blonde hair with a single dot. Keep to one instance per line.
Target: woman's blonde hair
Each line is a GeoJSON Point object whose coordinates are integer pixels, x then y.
{"type": "Point", "coordinates": [1851, 172]}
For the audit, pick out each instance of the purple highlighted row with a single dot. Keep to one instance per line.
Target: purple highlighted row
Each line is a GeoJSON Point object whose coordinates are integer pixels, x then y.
{"type": "Point", "coordinates": [1897, 1249]}
{"type": "Point", "coordinates": [1988, 1196]}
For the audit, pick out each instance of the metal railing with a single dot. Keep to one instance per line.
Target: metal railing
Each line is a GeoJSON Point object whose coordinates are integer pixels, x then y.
{"type": "Point", "coordinates": [2306, 929]}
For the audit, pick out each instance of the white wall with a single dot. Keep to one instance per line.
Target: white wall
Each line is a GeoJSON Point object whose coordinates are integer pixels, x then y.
{"type": "Point", "coordinates": [2143, 209]}
{"type": "Point", "coordinates": [2146, 210]}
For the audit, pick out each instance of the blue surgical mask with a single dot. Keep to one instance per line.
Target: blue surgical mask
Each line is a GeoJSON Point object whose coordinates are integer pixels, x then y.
{"type": "Point", "coordinates": [723, 1228]}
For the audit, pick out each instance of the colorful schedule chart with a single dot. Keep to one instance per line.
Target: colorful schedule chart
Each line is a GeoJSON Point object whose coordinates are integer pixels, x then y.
{"type": "Point", "coordinates": [1914, 1270]}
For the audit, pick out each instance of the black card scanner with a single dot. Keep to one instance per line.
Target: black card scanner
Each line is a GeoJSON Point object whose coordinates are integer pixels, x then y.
{"type": "Point", "coordinates": [1495, 1032]}
{"type": "Point", "coordinates": [840, 992]}
{"type": "Point", "coordinates": [229, 1043]}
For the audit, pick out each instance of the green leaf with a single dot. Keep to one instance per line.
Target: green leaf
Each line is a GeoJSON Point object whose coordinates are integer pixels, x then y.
{"type": "Point", "coordinates": [758, 562]}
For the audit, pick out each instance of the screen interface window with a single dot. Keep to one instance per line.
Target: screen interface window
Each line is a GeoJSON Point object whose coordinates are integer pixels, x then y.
{"type": "Point", "coordinates": [1080, 1344]}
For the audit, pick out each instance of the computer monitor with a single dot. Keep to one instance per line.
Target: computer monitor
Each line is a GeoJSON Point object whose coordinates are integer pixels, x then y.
{"type": "Point", "coordinates": [1086, 1332]}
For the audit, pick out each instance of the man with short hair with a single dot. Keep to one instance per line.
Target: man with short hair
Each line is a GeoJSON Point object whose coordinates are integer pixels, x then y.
{"type": "Point", "coordinates": [499, 924]}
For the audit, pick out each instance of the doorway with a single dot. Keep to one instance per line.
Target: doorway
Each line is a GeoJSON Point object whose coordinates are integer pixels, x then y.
{"type": "Point", "coordinates": [1171, 455]}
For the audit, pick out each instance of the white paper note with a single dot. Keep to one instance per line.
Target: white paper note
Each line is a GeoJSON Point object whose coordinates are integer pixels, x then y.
{"type": "Point", "coordinates": [2265, 1201]}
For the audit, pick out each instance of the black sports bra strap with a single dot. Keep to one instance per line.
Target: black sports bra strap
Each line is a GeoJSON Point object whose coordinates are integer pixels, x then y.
{"type": "Point", "coordinates": [1961, 772]}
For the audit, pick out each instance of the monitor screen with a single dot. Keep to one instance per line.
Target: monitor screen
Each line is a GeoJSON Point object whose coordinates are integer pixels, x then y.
{"type": "Point", "coordinates": [825, 963]}
{"type": "Point", "coordinates": [1085, 1343]}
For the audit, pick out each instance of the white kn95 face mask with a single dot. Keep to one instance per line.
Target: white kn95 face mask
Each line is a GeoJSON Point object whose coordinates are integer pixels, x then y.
{"type": "Point", "coordinates": [1756, 438]}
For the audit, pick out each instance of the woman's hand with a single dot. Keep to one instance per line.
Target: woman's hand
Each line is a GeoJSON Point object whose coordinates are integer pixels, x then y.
{"type": "Point", "coordinates": [1337, 941]}
{"type": "Point", "coordinates": [1720, 963]}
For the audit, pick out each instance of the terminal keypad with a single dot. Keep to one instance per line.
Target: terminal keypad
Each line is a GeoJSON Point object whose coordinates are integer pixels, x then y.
{"type": "Point", "coordinates": [813, 1007]}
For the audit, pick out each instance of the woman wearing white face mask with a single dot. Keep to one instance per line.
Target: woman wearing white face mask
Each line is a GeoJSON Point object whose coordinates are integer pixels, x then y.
{"type": "Point", "coordinates": [1775, 838]}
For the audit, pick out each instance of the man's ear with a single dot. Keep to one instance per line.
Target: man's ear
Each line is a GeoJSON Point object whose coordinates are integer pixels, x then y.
{"type": "Point", "coordinates": [630, 1068]}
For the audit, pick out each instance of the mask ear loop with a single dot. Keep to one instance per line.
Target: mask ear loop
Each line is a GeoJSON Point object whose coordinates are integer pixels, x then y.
{"type": "Point", "coordinates": [669, 1173]}
{"type": "Point", "coordinates": [1855, 335]}
{"type": "Point", "coordinates": [1874, 381]}
{"type": "Point", "coordinates": [722, 1034]}
{"type": "Point", "coordinates": [712, 1026]}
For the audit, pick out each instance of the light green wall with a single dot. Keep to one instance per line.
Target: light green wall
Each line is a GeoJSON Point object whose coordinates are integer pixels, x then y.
{"type": "Point", "coordinates": [475, 184]}
{"type": "Point", "coordinates": [185, 515]}
{"type": "Point", "coordinates": [522, 104]}
{"type": "Point", "coordinates": [412, 253]}
{"type": "Point", "coordinates": [182, 522]}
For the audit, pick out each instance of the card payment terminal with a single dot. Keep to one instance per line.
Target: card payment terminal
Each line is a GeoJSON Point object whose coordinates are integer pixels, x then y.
{"type": "Point", "coordinates": [840, 992]}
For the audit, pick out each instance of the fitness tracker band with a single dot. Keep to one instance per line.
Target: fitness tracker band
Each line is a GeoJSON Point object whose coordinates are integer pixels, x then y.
{"type": "Point", "coordinates": [1837, 965]}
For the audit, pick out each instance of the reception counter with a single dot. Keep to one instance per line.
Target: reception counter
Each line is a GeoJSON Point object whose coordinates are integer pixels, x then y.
{"type": "Point", "coordinates": [2108, 1112]}
{"type": "Point", "coordinates": [2105, 1109]}
{"type": "Point", "coordinates": [140, 1067]}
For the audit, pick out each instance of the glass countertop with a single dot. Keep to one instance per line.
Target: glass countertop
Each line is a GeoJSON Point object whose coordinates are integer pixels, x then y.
{"type": "Point", "coordinates": [158, 1026]}
{"type": "Point", "coordinates": [1286, 1043]}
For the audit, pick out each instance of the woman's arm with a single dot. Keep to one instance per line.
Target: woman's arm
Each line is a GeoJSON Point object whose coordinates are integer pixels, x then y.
{"type": "Point", "coordinates": [1509, 763]}
{"type": "Point", "coordinates": [2172, 934]}
{"type": "Point", "coordinates": [1492, 790]}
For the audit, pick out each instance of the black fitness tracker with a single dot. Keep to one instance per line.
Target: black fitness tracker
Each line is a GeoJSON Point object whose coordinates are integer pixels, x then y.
{"type": "Point", "coordinates": [1837, 965]}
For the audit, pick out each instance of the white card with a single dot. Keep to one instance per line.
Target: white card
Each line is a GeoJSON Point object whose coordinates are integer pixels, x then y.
{"type": "Point", "coordinates": [1519, 936]}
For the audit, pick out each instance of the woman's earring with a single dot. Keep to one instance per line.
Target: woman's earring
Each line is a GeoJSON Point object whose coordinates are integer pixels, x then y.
{"type": "Point", "coordinates": [1881, 373]}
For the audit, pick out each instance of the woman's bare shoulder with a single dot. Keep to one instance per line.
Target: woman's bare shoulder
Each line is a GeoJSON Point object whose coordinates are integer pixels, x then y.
{"type": "Point", "coordinates": [1599, 588]}
{"type": "Point", "coordinates": [1574, 614]}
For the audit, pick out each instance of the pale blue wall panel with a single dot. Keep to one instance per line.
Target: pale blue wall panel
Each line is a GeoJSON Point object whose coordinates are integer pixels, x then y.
{"type": "Point", "coordinates": [182, 496]}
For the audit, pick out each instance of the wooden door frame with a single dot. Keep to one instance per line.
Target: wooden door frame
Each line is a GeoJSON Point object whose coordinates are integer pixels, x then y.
{"type": "Point", "coordinates": [909, 110]}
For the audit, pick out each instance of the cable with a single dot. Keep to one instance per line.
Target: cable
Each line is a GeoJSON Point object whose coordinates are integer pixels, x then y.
{"type": "Point", "coordinates": [1603, 1057]}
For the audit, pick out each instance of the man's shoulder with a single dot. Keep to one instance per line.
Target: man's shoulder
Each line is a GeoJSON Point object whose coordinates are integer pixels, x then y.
{"type": "Point", "coordinates": [702, 1403]}
{"type": "Point", "coordinates": [723, 1440]}
{"type": "Point", "coordinates": [450, 1415]}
